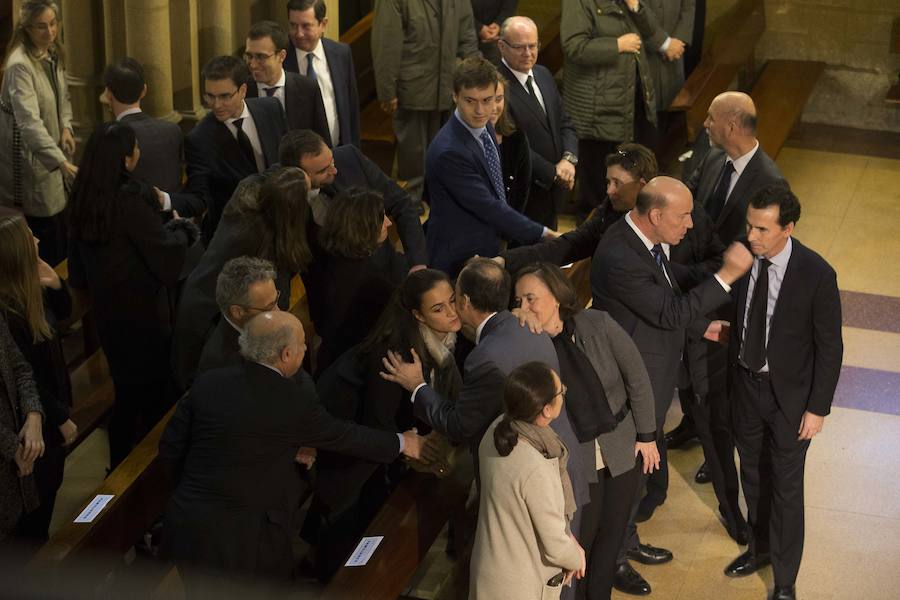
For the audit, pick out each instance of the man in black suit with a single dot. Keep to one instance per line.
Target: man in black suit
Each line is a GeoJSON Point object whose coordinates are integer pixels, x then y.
{"type": "Point", "coordinates": [632, 279]}
{"type": "Point", "coordinates": [231, 447]}
{"type": "Point", "coordinates": [236, 139]}
{"type": "Point", "coordinates": [161, 142]}
{"type": "Point", "coordinates": [785, 354]}
{"type": "Point", "coordinates": [332, 68]}
{"type": "Point", "coordinates": [533, 100]}
{"type": "Point", "coordinates": [332, 172]}
{"type": "Point", "coordinates": [265, 50]}
{"type": "Point", "coordinates": [488, 16]}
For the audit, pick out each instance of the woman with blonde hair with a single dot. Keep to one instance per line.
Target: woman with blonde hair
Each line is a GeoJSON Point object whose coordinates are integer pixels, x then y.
{"type": "Point", "coordinates": [37, 142]}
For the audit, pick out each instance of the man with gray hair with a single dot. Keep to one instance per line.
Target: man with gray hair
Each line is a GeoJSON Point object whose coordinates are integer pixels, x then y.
{"type": "Point", "coordinates": [231, 446]}
{"type": "Point", "coordinates": [244, 288]}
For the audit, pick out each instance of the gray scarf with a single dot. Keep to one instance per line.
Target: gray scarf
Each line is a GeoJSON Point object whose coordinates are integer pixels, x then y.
{"type": "Point", "coordinates": [547, 442]}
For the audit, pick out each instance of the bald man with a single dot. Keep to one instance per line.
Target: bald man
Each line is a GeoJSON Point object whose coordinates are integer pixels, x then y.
{"type": "Point", "coordinates": [231, 446]}
{"type": "Point", "coordinates": [632, 280]}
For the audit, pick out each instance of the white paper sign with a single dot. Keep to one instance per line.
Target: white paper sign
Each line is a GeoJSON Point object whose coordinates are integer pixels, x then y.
{"type": "Point", "coordinates": [364, 551]}
{"type": "Point", "coordinates": [93, 509]}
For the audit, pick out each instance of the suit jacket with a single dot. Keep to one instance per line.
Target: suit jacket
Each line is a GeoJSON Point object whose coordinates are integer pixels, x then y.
{"type": "Point", "coordinates": [162, 150]}
{"type": "Point", "coordinates": [467, 216]}
{"type": "Point", "coordinates": [760, 172]}
{"type": "Point", "coordinates": [805, 348]}
{"type": "Point", "coordinates": [549, 136]}
{"type": "Point", "coordinates": [343, 78]}
{"type": "Point", "coordinates": [627, 283]}
{"type": "Point", "coordinates": [673, 19]}
{"type": "Point", "coordinates": [303, 105]}
{"type": "Point", "coordinates": [216, 164]}
{"type": "Point", "coordinates": [515, 162]}
{"type": "Point", "coordinates": [230, 446]}
{"type": "Point", "coordinates": [221, 349]}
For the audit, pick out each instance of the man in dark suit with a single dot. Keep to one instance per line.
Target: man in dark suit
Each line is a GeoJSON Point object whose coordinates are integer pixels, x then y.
{"type": "Point", "coordinates": [533, 100]}
{"type": "Point", "coordinates": [265, 50]}
{"type": "Point", "coordinates": [236, 139]}
{"type": "Point", "coordinates": [632, 280]}
{"type": "Point", "coordinates": [332, 68]}
{"type": "Point", "coordinates": [469, 210]}
{"type": "Point", "coordinates": [785, 354]}
{"type": "Point", "coordinates": [161, 142]}
{"type": "Point", "coordinates": [488, 16]}
{"type": "Point", "coordinates": [237, 496]}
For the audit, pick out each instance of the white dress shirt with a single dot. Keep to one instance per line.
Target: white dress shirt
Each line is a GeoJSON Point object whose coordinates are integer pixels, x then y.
{"type": "Point", "coordinates": [326, 85]}
{"type": "Point", "coordinates": [279, 92]}
{"type": "Point", "coordinates": [249, 127]}
{"type": "Point", "coordinates": [522, 78]}
{"type": "Point", "coordinates": [740, 163]}
{"type": "Point", "coordinates": [776, 277]}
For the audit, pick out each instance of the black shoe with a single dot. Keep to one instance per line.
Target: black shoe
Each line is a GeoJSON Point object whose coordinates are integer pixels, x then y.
{"type": "Point", "coordinates": [629, 581]}
{"type": "Point", "coordinates": [702, 475]}
{"type": "Point", "coordinates": [646, 509]}
{"type": "Point", "coordinates": [746, 564]}
{"type": "Point", "coordinates": [681, 436]}
{"type": "Point", "coordinates": [787, 592]}
{"type": "Point", "coordinates": [649, 555]}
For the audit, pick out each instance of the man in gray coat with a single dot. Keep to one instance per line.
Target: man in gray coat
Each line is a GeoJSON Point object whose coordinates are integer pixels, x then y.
{"type": "Point", "coordinates": [665, 56]}
{"type": "Point", "coordinates": [415, 47]}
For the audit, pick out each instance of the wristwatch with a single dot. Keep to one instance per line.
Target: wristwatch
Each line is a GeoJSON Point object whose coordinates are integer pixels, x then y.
{"type": "Point", "coordinates": [571, 158]}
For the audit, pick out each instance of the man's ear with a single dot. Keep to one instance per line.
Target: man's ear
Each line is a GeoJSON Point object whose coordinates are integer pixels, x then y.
{"type": "Point", "coordinates": [143, 92]}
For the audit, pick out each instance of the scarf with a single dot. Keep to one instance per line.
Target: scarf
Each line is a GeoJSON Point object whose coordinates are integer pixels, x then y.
{"type": "Point", "coordinates": [547, 442]}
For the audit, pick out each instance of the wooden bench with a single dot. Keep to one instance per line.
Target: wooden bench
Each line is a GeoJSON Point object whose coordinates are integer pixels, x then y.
{"type": "Point", "coordinates": [893, 95]}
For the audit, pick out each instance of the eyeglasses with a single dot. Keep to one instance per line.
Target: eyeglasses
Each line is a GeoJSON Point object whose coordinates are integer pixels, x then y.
{"type": "Point", "coordinates": [257, 56]}
{"type": "Point", "coordinates": [267, 308]}
{"type": "Point", "coordinates": [213, 98]}
{"type": "Point", "coordinates": [523, 47]}
{"type": "Point", "coordinates": [562, 391]}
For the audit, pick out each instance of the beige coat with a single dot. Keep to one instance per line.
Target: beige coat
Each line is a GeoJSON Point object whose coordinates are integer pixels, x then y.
{"type": "Point", "coordinates": [30, 178]}
{"type": "Point", "coordinates": [521, 541]}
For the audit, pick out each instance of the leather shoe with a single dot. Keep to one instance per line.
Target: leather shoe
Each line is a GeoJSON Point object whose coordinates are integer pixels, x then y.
{"type": "Point", "coordinates": [702, 475]}
{"type": "Point", "coordinates": [681, 436]}
{"type": "Point", "coordinates": [787, 592]}
{"type": "Point", "coordinates": [645, 510]}
{"type": "Point", "coordinates": [746, 564]}
{"type": "Point", "coordinates": [649, 555]}
{"type": "Point", "coordinates": [629, 581]}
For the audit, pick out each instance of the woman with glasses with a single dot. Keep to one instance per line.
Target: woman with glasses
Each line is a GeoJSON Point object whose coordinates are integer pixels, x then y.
{"type": "Point", "coordinates": [609, 402]}
{"type": "Point", "coordinates": [128, 260]}
{"type": "Point", "coordinates": [37, 144]}
{"type": "Point", "coordinates": [523, 547]}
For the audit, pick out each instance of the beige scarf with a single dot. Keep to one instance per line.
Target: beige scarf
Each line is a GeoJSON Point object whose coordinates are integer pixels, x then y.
{"type": "Point", "coordinates": [547, 442]}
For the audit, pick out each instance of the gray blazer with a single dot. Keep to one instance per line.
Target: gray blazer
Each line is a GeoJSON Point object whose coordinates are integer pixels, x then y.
{"type": "Point", "coordinates": [621, 370]}
{"type": "Point", "coordinates": [674, 18]}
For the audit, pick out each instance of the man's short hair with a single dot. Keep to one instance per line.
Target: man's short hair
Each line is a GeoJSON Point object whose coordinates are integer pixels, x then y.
{"type": "Point", "coordinates": [226, 67]}
{"type": "Point", "coordinates": [780, 195]}
{"type": "Point", "coordinates": [264, 344]}
{"type": "Point", "coordinates": [298, 143]}
{"type": "Point", "coordinates": [475, 73]}
{"type": "Point", "coordinates": [271, 30]}
{"type": "Point", "coordinates": [125, 79]}
{"type": "Point", "coordinates": [302, 5]}
{"type": "Point", "coordinates": [238, 274]}
{"type": "Point", "coordinates": [638, 160]}
{"type": "Point", "coordinates": [647, 200]}
{"type": "Point", "coordinates": [486, 283]}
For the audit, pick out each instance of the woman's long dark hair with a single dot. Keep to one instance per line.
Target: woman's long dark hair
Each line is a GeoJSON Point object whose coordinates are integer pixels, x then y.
{"type": "Point", "coordinates": [528, 389]}
{"type": "Point", "coordinates": [284, 206]}
{"type": "Point", "coordinates": [353, 223]}
{"type": "Point", "coordinates": [93, 204]}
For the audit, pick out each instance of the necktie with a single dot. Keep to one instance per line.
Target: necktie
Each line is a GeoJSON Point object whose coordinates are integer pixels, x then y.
{"type": "Point", "coordinates": [270, 91]}
{"type": "Point", "coordinates": [310, 70]}
{"type": "Point", "coordinates": [754, 349]}
{"type": "Point", "coordinates": [720, 195]}
{"type": "Point", "coordinates": [657, 253]}
{"type": "Point", "coordinates": [530, 85]}
{"type": "Point", "coordinates": [493, 161]}
{"type": "Point", "coordinates": [244, 142]}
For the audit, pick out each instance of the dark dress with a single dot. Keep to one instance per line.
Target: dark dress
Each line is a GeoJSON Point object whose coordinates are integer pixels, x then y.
{"type": "Point", "coordinates": [515, 158]}
{"type": "Point", "coordinates": [128, 278]}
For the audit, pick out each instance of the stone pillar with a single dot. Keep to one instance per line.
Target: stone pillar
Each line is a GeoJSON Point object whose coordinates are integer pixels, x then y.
{"type": "Point", "coordinates": [216, 32]}
{"type": "Point", "coordinates": [184, 23]}
{"type": "Point", "coordinates": [81, 41]}
{"type": "Point", "coordinates": [114, 29]}
{"type": "Point", "coordinates": [333, 29]}
{"type": "Point", "coordinates": [148, 40]}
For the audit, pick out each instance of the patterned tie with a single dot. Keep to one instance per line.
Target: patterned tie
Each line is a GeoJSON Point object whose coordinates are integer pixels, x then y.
{"type": "Point", "coordinates": [310, 70]}
{"type": "Point", "coordinates": [493, 161]}
{"type": "Point", "coordinates": [754, 349]}
{"type": "Point", "coordinates": [270, 91]}
{"type": "Point", "coordinates": [720, 195]}
{"type": "Point", "coordinates": [529, 84]}
{"type": "Point", "coordinates": [244, 142]}
{"type": "Point", "coordinates": [657, 253]}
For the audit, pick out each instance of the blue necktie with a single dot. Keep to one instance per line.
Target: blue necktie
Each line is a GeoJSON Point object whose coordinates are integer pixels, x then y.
{"type": "Point", "coordinates": [493, 161]}
{"type": "Point", "coordinates": [310, 71]}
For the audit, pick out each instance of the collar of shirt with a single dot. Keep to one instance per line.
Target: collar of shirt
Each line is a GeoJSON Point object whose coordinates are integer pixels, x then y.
{"type": "Point", "coordinates": [649, 245]}
{"type": "Point", "coordinates": [245, 114]}
{"type": "Point", "coordinates": [230, 322]}
{"type": "Point", "coordinates": [318, 52]}
{"type": "Point", "coordinates": [276, 369]}
{"type": "Point", "coordinates": [128, 111]}
{"type": "Point", "coordinates": [476, 133]}
{"type": "Point", "coordinates": [740, 163]}
{"type": "Point", "coordinates": [278, 84]}
{"type": "Point", "coordinates": [520, 76]}
{"type": "Point", "coordinates": [781, 259]}
{"type": "Point", "coordinates": [481, 327]}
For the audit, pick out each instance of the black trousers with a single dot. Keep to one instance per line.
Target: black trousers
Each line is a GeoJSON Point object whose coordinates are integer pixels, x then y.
{"type": "Point", "coordinates": [772, 466]}
{"type": "Point", "coordinates": [602, 526]}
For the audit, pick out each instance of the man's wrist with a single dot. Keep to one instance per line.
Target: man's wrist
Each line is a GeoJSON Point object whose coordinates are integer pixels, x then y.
{"type": "Point", "coordinates": [570, 158]}
{"type": "Point", "coordinates": [415, 391]}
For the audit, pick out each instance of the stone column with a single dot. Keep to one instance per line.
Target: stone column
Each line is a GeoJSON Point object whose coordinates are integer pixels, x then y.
{"type": "Point", "coordinates": [184, 23]}
{"type": "Point", "coordinates": [147, 39]}
{"type": "Point", "coordinates": [82, 45]}
{"type": "Point", "coordinates": [333, 29]}
{"type": "Point", "coordinates": [216, 33]}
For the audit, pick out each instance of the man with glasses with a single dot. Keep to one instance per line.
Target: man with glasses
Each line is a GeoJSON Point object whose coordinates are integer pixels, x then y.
{"type": "Point", "coordinates": [236, 139]}
{"type": "Point", "coordinates": [536, 107]}
{"type": "Point", "coordinates": [265, 51]}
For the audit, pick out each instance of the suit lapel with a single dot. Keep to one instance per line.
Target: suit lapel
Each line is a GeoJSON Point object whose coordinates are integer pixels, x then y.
{"type": "Point", "coordinates": [548, 91]}
{"type": "Point", "coordinates": [638, 246]}
{"type": "Point", "coordinates": [264, 131]}
{"type": "Point", "coordinates": [469, 142]}
{"type": "Point", "coordinates": [790, 283]}
{"type": "Point", "coordinates": [523, 97]}
{"type": "Point", "coordinates": [740, 186]}
{"type": "Point", "coordinates": [713, 167]}
{"type": "Point", "coordinates": [231, 152]}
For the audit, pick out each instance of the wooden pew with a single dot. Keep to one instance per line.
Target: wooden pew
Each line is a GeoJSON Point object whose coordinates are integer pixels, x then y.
{"type": "Point", "coordinates": [893, 95]}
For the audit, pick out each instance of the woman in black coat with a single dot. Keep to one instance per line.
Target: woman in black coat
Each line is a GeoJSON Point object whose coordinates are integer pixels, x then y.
{"type": "Point", "coordinates": [515, 153]}
{"type": "Point", "coordinates": [123, 253]}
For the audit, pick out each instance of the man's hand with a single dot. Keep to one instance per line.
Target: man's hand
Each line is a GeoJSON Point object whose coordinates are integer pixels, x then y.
{"type": "Point", "coordinates": [161, 197]}
{"type": "Point", "coordinates": [528, 319]}
{"type": "Point", "coordinates": [390, 107]}
{"type": "Point", "coordinates": [675, 49]}
{"type": "Point", "coordinates": [565, 173]}
{"type": "Point", "coordinates": [67, 142]}
{"type": "Point", "coordinates": [406, 375]}
{"type": "Point", "coordinates": [630, 43]}
{"type": "Point", "coordinates": [412, 444]}
{"type": "Point", "coordinates": [549, 234]}
{"type": "Point", "coordinates": [500, 261]}
{"type": "Point", "coordinates": [810, 425]}
{"type": "Point", "coordinates": [47, 276]}
{"type": "Point", "coordinates": [632, 5]}
{"type": "Point", "coordinates": [718, 331]}
{"type": "Point", "coordinates": [650, 455]}
{"type": "Point", "coordinates": [32, 437]}
{"type": "Point", "coordinates": [736, 261]}
{"type": "Point", "coordinates": [24, 466]}
{"type": "Point", "coordinates": [306, 457]}
{"type": "Point", "coordinates": [489, 33]}
{"type": "Point", "coordinates": [69, 431]}
{"type": "Point", "coordinates": [415, 268]}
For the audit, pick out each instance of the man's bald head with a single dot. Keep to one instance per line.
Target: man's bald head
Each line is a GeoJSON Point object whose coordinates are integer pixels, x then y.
{"type": "Point", "coordinates": [519, 43]}
{"type": "Point", "coordinates": [276, 339]}
{"type": "Point", "coordinates": [738, 106]}
{"type": "Point", "coordinates": [518, 24]}
{"type": "Point", "coordinates": [658, 192]}
{"type": "Point", "coordinates": [663, 210]}
{"type": "Point", "coordinates": [731, 123]}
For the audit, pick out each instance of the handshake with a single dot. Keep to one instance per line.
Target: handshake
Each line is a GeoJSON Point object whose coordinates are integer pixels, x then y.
{"type": "Point", "coordinates": [424, 453]}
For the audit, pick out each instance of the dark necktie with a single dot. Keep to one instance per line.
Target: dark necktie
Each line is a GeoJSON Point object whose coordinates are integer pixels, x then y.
{"type": "Point", "coordinates": [754, 349]}
{"type": "Point", "coordinates": [310, 70]}
{"type": "Point", "coordinates": [270, 91]}
{"type": "Point", "coordinates": [657, 253]}
{"type": "Point", "coordinates": [493, 160]}
{"type": "Point", "coordinates": [529, 83]}
{"type": "Point", "coordinates": [720, 195]}
{"type": "Point", "coordinates": [244, 142]}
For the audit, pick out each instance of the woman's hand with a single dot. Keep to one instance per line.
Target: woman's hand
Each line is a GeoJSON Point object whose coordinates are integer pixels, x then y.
{"type": "Point", "coordinates": [47, 276]}
{"type": "Point", "coordinates": [529, 319]}
{"type": "Point", "coordinates": [69, 171]}
{"type": "Point", "coordinates": [629, 43]}
{"type": "Point", "coordinates": [650, 454]}
{"type": "Point", "coordinates": [67, 142]}
{"type": "Point", "coordinates": [69, 431]}
{"type": "Point", "coordinates": [32, 437]}
{"type": "Point", "coordinates": [406, 375]}
{"type": "Point", "coordinates": [25, 467]}
{"type": "Point", "coordinates": [580, 571]}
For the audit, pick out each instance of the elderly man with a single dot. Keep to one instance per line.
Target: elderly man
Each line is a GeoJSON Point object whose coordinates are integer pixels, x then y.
{"type": "Point", "coordinates": [231, 446]}
{"type": "Point", "coordinates": [537, 109]}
